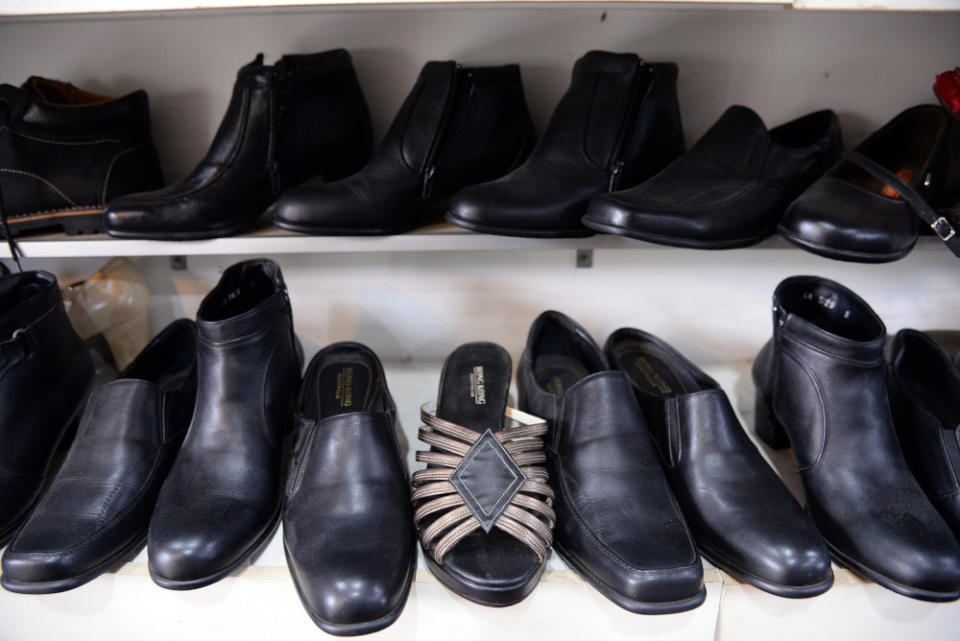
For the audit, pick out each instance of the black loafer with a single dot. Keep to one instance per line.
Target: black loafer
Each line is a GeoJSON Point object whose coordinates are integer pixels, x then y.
{"type": "Point", "coordinates": [347, 523]}
{"type": "Point", "coordinates": [618, 524]}
{"type": "Point", "coordinates": [96, 510]}
{"type": "Point", "coordinates": [869, 207]}
{"type": "Point", "coordinates": [924, 389]}
{"type": "Point", "coordinates": [483, 502]}
{"type": "Point", "coordinates": [730, 189]}
{"type": "Point", "coordinates": [743, 518]}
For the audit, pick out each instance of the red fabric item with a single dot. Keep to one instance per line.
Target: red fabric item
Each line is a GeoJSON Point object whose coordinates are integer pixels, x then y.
{"type": "Point", "coordinates": [947, 88]}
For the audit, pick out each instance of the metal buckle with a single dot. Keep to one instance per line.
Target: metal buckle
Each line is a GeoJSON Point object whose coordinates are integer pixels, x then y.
{"type": "Point", "coordinates": [942, 228]}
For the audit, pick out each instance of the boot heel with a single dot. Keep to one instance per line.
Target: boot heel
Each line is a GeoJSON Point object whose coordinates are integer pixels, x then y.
{"type": "Point", "coordinates": [767, 427]}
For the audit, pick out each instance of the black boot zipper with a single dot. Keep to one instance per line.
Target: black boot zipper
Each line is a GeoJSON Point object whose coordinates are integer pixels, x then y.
{"type": "Point", "coordinates": [442, 129]}
{"type": "Point", "coordinates": [641, 87]}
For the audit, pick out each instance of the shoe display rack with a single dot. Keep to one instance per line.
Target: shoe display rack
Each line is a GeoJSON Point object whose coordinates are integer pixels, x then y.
{"type": "Point", "coordinates": [414, 297]}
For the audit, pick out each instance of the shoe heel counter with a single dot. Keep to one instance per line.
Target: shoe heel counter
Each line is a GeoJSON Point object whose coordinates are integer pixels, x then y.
{"type": "Point", "coordinates": [657, 138]}
{"type": "Point", "coordinates": [133, 170]}
{"type": "Point", "coordinates": [491, 132]}
{"type": "Point", "coordinates": [325, 127]}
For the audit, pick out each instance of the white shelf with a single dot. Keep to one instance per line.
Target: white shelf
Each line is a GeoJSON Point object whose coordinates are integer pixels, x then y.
{"type": "Point", "coordinates": [259, 600]}
{"type": "Point", "coordinates": [66, 7]}
{"type": "Point", "coordinates": [272, 241]}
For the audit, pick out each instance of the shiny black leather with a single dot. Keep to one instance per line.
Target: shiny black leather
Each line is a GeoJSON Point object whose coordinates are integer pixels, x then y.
{"type": "Point", "coordinates": [96, 510]}
{"type": "Point", "coordinates": [820, 383]}
{"type": "Point", "coordinates": [347, 522]}
{"type": "Point", "coordinates": [458, 126]}
{"type": "Point", "coordinates": [618, 524]}
{"type": "Point", "coordinates": [743, 518]}
{"type": "Point", "coordinates": [302, 117]}
{"type": "Point", "coordinates": [924, 386]}
{"type": "Point", "coordinates": [64, 153]}
{"type": "Point", "coordinates": [617, 124]}
{"type": "Point", "coordinates": [221, 501]}
{"type": "Point", "coordinates": [730, 189]}
{"type": "Point", "coordinates": [849, 214]}
{"type": "Point", "coordinates": [45, 376]}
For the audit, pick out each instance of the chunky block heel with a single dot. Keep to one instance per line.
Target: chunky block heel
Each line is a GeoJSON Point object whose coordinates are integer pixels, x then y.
{"type": "Point", "coordinates": [767, 427]}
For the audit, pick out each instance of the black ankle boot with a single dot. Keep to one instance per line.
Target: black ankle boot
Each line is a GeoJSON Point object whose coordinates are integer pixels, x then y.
{"type": "Point", "coordinates": [821, 388]}
{"type": "Point", "coordinates": [304, 116]}
{"type": "Point", "coordinates": [64, 152]}
{"type": "Point", "coordinates": [456, 128]}
{"type": "Point", "coordinates": [45, 376]}
{"type": "Point", "coordinates": [221, 501]}
{"type": "Point", "coordinates": [617, 125]}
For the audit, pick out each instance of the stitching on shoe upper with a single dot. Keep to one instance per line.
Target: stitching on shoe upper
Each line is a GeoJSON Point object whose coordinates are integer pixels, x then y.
{"type": "Point", "coordinates": [41, 179]}
{"type": "Point", "coordinates": [106, 179]}
{"type": "Point", "coordinates": [71, 143]}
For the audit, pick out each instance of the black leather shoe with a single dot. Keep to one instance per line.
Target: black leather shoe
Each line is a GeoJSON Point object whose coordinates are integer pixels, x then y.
{"type": "Point", "coordinates": [869, 207]}
{"type": "Point", "coordinates": [347, 523]}
{"type": "Point", "coordinates": [96, 510]}
{"type": "Point", "coordinates": [483, 502]}
{"type": "Point", "coordinates": [744, 520]}
{"type": "Point", "coordinates": [65, 152]}
{"type": "Point", "coordinates": [821, 384]}
{"type": "Point", "coordinates": [616, 125]}
{"type": "Point", "coordinates": [45, 376]}
{"type": "Point", "coordinates": [949, 340]}
{"type": "Point", "coordinates": [221, 502]}
{"type": "Point", "coordinates": [457, 127]}
{"type": "Point", "coordinates": [924, 387]}
{"type": "Point", "coordinates": [618, 524]}
{"type": "Point", "coordinates": [302, 117]}
{"type": "Point", "coordinates": [730, 189]}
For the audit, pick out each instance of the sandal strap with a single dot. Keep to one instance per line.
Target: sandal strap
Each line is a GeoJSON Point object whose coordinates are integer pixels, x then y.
{"type": "Point", "coordinates": [446, 511]}
{"type": "Point", "coordinates": [942, 225]}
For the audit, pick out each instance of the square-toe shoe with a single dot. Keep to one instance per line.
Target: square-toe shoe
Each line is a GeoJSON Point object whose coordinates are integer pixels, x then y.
{"type": "Point", "coordinates": [618, 523]}
{"type": "Point", "coordinates": [730, 189]}
{"type": "Point", "coordinates": [743, 518]}
{"type": "Point", "coordinates": [95, 512]}
{"type": "Point", "coordinates": [347, 522]}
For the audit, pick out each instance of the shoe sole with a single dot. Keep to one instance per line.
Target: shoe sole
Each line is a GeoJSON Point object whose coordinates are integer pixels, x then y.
{"type": "Point", "coordinates": [355, 629]}
{"type": "Point", "coordinates": [84, 220]}
{"type": "Point", "coordinates": [890, 584]}
{"type": "Point", "coordinates": [524, 233]}
{"type": "Point", "coordinates": [255, 548]}
{"type": "Point", "coordinates": [62, 585]}
{"type": "Point", "coordinates": [180, 235]}
{"type": "Point", "coordinates": [632, 605]}
{"type": "Point", "coordinates": [776, 589]}
{"type": "Point", "coordinates": [336, 231]}
{"type": "Point", "coordinates": [672, 241]}
{"type": "Point", "coordinates": [485, 595]}
{"type": "Point", "coordinates": [842, 254]}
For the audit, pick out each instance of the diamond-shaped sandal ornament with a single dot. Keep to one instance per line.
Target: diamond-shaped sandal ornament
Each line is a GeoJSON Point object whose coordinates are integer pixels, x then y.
{"type": "Point", "coordinates": [482, 481]}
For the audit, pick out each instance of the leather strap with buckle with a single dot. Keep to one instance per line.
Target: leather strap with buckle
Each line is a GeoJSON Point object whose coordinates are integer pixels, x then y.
{"type": "Point", "coordinates": [942, 225]}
